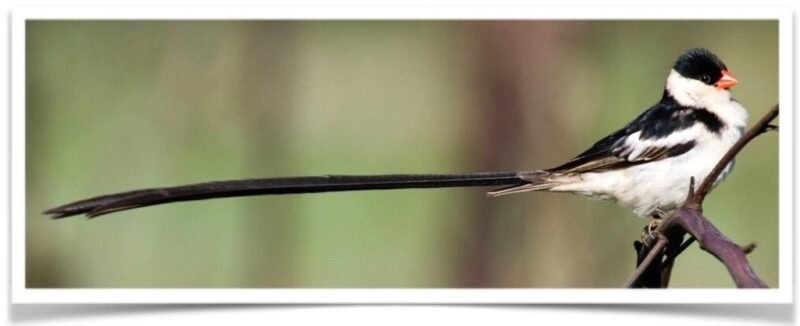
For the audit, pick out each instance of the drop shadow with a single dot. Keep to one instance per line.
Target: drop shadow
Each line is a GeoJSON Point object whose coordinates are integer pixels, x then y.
{"type": "Point", "coordinates": [776, 313]}
{"type": "Point", "coordinates": [52, 312]}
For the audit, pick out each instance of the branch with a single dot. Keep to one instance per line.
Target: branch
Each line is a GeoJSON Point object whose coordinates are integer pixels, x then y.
{"type": "Point", "coordinates": [689, 219]}
{"type": "Point", "coordinates": [717, 244]}
{"type": "Point", "coordinates": [645, 261]}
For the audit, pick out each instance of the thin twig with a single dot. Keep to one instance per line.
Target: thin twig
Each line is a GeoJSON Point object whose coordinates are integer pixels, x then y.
{"type": "Point", "coordinates": [674, 247]}
{"type": "Point", "coordinates": [661, 242]}
{"type": "Point", "coordinates": [684, 245]}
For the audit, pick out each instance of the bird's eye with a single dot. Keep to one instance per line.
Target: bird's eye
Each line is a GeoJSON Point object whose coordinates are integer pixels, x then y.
{"type": "Point", "coordinates": [705, 78]}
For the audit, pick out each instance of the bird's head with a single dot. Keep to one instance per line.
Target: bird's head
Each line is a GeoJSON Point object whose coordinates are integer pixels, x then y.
{"type": "Point", "coordinates": [699, 79]}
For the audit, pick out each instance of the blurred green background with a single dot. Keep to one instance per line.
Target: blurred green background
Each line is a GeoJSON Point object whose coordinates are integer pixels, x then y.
{"type": "Point", "coordinates": [118, 105]}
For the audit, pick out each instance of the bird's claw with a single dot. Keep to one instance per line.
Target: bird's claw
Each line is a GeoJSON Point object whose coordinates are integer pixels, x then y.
{"type": "Point", "coordinates": [650, 231]}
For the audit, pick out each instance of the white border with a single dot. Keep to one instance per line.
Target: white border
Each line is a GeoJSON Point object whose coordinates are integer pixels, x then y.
{"type": "Point", "coordinates": [786, 243]}
{"type": "Point", "coordinates": [20, 294]}
{"type": "Point", "coordinates": [408, 12]}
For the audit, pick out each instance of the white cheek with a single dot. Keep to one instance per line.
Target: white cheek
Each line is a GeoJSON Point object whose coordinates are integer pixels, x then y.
{"type": "Point", "coordinates": [693, 93]}
{"type": "Point", "coordinates": [690, 92]}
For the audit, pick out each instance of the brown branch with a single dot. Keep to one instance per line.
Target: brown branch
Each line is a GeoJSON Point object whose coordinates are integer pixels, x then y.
{"type": "Point", "coordinates": [689, 219]}
{"type": "Point", "coordinates": [647, 261]}
{"type": "Point", "coordinates": [680, 250]}
{"type": "Point", "coordinates": [717, 244]}
{"type": "Point", "coordinates": [674, 248]}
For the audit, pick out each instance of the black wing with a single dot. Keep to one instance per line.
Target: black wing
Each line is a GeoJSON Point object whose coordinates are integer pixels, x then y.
{"type": "Point", "coordinates": [660, 121]}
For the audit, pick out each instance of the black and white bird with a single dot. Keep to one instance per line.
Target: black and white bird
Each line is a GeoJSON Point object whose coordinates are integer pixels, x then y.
{"type": "Point", "coordinates": [645, 166]}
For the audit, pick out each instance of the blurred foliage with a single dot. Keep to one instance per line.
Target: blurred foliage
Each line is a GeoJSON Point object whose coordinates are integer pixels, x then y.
{"type": "Point", "coordinates": [118, 105]}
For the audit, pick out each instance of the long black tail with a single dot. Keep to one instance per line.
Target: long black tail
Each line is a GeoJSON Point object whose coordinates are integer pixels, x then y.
{"type": "Point", "coordinates": [274, 186]}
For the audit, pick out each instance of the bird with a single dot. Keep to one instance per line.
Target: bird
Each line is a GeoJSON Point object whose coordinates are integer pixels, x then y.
{"type": "Point", "coordinates": [645, 166]}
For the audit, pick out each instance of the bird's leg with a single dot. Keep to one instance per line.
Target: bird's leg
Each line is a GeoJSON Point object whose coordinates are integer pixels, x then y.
{"type": "Point", "coordinates": [658, 217]}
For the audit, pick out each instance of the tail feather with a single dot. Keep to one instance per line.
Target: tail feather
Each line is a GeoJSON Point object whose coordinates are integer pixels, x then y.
{"type": "Point", "coordinates": [536, 181]}
{"type": "Point", "coordinates": [273, 186]}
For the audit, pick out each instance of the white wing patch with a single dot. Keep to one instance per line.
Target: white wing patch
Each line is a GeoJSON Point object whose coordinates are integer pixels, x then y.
{"type": "Point", "coordinates": [635, 146]}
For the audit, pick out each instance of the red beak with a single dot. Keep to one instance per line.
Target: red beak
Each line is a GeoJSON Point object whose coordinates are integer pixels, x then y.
{"type": "Point", "coordinates": [726, 81]}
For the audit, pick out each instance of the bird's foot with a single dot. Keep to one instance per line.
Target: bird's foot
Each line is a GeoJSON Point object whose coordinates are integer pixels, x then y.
{"type": "Point", "coordinates": [649, 230]}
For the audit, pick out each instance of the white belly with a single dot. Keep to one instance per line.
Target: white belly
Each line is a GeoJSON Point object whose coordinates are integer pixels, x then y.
{"type": "Point", "coordinates": [663, 184]}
